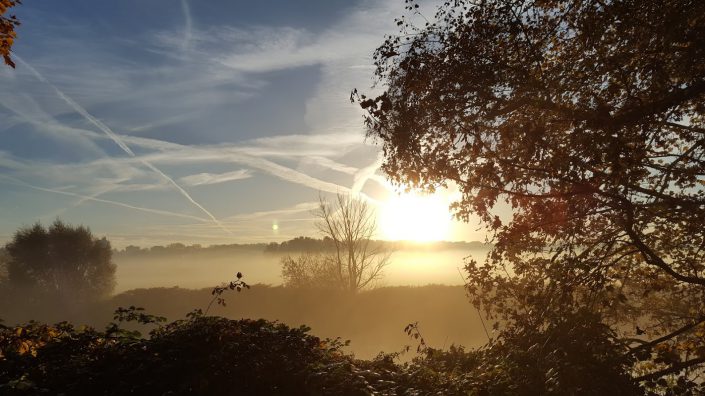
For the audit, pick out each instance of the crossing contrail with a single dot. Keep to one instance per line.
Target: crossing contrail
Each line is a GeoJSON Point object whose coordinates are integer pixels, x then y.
{"type": "Point", "coordinates": [115, 138]}
{"type": "Point", "coordinates": [364, 174]}
{"type": "Point", "coordinates": [106, 201]}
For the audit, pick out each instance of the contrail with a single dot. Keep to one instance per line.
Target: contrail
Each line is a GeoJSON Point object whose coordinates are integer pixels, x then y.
{"type": "Point", "coordinates": [364, 174]}
{"type": "Point", "coordinates": [188, 29]}
{"type": "Point", "coordinates": [89, 198]}
{"type": "Point", "coordinates": [100, 125]}
{"type": "Point", "coordinates": [81, 200]}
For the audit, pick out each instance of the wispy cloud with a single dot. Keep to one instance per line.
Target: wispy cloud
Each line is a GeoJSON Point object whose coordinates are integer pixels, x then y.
{"type": "Point", "coordinates": [268, 48]}
{"type": "Point", "coordinates": [26, 110]}
{"type": "Point", "coordinates": [212, 178]}
{"type": "Point", "coordinates": [114, 137]}
{"type": "Point", "coordinates": [145, 127]}
{"type": "Point", "coordinates": [188, 25]}
{"type": "Point", "coordinates": [365, 174]}
{"type": "Point", "coordinates": [9, 162]}
{"type": "Point", "coordinates": [82, 199]}
{"type": "Point", "coordinates": [255, 226]}
{"type": "Point", "coordinates": [105, 201]}
{"type": "Point", "coordinates": [194, 154]}
{"type": "Point", "coordinates": [295, 209]}
{"type": "Point", "coordinates": [258, 150]}
{"type": "Point", "coordinates": [156, 121]}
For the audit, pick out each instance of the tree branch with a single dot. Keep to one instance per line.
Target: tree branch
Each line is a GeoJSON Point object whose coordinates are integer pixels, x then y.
{"type": "Point", "coordinates": [670, 370]}
{"type": "Point", "coordinates": [651, 344]}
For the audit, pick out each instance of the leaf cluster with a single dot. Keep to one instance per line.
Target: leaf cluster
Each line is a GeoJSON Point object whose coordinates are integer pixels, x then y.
{"type": "Point", "coordinates": [7, 30]}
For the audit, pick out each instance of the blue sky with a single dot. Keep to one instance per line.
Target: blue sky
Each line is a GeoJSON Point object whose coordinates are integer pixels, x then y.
{"type": "Point", "coordinates": [181, 121]}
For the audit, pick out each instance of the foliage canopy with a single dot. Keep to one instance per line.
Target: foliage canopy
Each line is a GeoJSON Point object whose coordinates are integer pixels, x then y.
{"type": "Point", "coordinates": [60, 261]}
{"type": "Point", "coordinates": [587, 119]}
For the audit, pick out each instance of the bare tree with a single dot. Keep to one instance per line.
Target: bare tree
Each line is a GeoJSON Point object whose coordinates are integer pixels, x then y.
{"type": "Point", "coordinates": [351, 224]}
{"type": "Point", "coordinates": [354, 261]}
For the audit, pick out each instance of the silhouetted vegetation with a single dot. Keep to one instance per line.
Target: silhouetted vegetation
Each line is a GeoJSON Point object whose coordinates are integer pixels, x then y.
{"type": "Point", "coordinates": [372, 320]}
{"type": "Point", "coordinates": [212, 355]}
{"type": "Point", "coordinates": [201, 355]}
{"type": "Point", "coordinates": [309, 270]}
{"type": "Point", "coordinates": [180, 248]}
{"type": "Point", "coordinates": [300, 244]}
{"type": "Point", "coordinates": [354, 260]}
{"type": "Point", "coordinates": [587, 118]}
{"type": "Point", "coordinates": [59, 262]}
{"type": "Point", "coordinates": [197, 355]}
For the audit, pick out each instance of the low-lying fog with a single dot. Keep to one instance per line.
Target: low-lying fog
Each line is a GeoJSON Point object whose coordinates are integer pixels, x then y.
{"type": "Point", "coordinates": [206, 269]}
{"type": "Point", "coordinates": [420, 285]}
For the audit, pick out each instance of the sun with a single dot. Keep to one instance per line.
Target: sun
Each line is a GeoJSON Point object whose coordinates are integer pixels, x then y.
{"type": "Point", "coordinates": [415, 217]}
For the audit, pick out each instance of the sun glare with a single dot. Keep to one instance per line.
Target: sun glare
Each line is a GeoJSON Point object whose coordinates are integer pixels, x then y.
{"type": "Point", "coordinates": [415, 217]}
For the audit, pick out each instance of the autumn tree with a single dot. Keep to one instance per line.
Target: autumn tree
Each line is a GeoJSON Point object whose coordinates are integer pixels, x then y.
{"type": "Point", "coordinates": [353, 262]}
{"type": "Point", "coordinates": [60, 261]}
{"type": "Point", "coordinates": [586, 118]}
{"type": "Point", "coordinates": [7, 30]}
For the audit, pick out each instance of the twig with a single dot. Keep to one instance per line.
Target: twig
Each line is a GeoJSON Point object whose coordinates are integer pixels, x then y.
{"type": "Point", "coordinates": [476, 308]}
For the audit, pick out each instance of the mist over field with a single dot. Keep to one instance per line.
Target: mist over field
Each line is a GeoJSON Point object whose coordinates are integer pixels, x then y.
{"type": "Point", "coordinates": [409, 267]}
{"type": "Point", "coordinates": [422, 283]}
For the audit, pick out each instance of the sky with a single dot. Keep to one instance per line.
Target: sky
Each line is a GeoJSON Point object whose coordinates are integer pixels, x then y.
{"type": "Point", "coordinates": [207, 122]}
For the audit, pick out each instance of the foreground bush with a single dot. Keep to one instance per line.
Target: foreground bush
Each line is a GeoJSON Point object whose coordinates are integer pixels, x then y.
{"type": "Point", "coordinates": [209, 356]}
{"type": "Point", "coordinates": [202, 355]}
{"type": "Point", "coordinates": [206, 355]}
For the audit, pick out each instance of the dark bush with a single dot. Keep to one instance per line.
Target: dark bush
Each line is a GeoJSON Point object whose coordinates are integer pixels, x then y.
{"type": "Point", "coordinates": [206, 355]}
{"type": "Point", "coordinates": [202, 355]}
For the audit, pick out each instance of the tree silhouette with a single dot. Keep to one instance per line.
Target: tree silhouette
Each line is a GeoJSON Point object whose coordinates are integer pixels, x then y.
{"type": "Point", "coordinates": [60, 261]}
{"type": "Point", "coordinates": [587, 118]}
{"type": "Point", "coordinates": [353, 262]}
